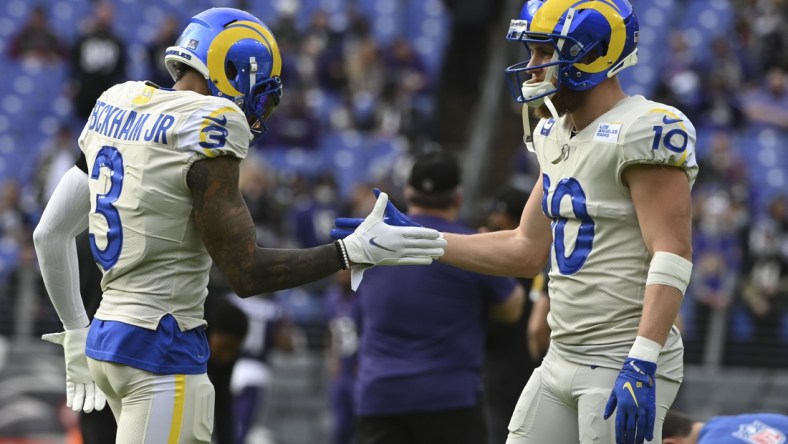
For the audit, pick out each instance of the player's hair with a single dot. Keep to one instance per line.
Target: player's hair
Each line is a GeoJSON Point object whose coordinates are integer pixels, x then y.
{"type": "Point", "coordinates": [181, 69]}
{"type": "Point", "coordinates": [677, 424]}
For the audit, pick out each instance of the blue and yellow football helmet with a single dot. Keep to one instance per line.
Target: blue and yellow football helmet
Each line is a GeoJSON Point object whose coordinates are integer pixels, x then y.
{"type": "Point", "coordinates": [238, 56]}
{"type": "Point", "coordinates": [574, 28]}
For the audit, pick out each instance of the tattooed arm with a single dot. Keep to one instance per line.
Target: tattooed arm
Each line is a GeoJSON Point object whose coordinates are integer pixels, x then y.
{"type": "Point", "coordinates": [228, 232]}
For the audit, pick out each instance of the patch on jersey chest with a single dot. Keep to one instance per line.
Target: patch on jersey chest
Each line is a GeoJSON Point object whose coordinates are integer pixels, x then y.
{"type": "Point", "coordinates": [547, 127]}
{"type": "Point", "coordinates": [759, 433]}
{"type": "Point", "coordinates": [607, 132]}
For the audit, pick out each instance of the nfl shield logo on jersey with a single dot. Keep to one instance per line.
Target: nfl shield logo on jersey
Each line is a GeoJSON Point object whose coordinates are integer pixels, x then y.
{"type": "Point", "coordinates": [759, 433]}
{"type": "Point", "coordinates": [547, 127]}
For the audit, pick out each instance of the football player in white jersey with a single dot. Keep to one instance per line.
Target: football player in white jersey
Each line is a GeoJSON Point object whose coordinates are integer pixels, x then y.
{"type": "Point", "coordinates": [157, 186]}
{"type": "Point", "coordinates": [611, 212]}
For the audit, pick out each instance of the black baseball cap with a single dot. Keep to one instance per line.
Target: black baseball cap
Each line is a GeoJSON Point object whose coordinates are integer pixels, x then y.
{"type": "Point", "coordinates": [510, 201]}
{"type": "Point", "coordinates": [436, 172]}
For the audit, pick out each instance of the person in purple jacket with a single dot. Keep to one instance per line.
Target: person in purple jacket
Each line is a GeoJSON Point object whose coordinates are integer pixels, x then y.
{"type": "Point", "coordinates": [421, 355]}
{"type": "Point", "coordinates": [749, 428]}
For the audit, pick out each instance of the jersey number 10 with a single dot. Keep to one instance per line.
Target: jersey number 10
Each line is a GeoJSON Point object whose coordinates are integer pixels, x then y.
{"type": "Point", "coordinates": [571, 188]}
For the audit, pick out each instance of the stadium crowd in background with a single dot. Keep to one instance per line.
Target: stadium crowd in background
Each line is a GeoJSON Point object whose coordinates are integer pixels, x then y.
{"type": "Point", "coordinates": [737, 228]}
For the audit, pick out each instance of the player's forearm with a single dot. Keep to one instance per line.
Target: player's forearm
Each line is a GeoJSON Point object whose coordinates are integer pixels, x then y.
{"type": "Point", "coordinates": [281, 269]}
{"type": "Point", "coordinates": [251, 270]}
{"type": "Point", "coordinates": [228, 233]}
{"type": "Point", "coordinates": [500, 253]}
{"type": "Point", "coordinates": [660, 307]}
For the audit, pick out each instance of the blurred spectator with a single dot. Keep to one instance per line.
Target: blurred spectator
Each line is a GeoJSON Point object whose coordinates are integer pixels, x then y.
{"type": "Point", "coordinates": [314, 210]}
{"type": "Point", "coordinates": [393, 113]}
{"type": "Point", "coordinates": [36, 41]}
{"type": "Point", "coordinates": [766, 287]}
{"type": "Point", "coordinates": [226, 331]}
{"type": "Point", "coordinates": [269, 330]}
{"type": "Point", "coordinates": [366, 79]}
{"type": "Point", "coordinates": [422, 345]}
{"type": "Point", "coordinates": [57, 156]}
{"type": "Point", "coordinates": [15, 222]}
{"type": "Point", "coordinates": [343, 312]}
{"type": "Point", "coordinates": [680, 83]}
{"type": "Point", "coordinates": [404, 65]}
{"type": "Point", "coordinates": [405, 104]}
{"type": "Point", "coordinates": [293, 124]}
{"type": "Point", "coordinates": [320, 55]}
{"type": "Point", "coordinates": [769, 19]}
{"type": "Point", "coordinates": [258, 185]}
{"type": "Point", "coordinates": [32, 314]}
{"type": "Point", "coordinates": [717, 257]}
{"type": "Point", "coordinates": [727, 62]}
{"type": "Point", "coordinates": [321, 29]}
{"type": "Point", "coordinates": [169, 30]}
{"type": "Point", "coordinates": [767, 106]}
{"type": "Point", "coordinates": [720, 106]}
{"type": "Point", "coordinates": [722, 168]}
{"type": "Point", "coordinates": [98, 60]}
{"type": "Point", "coordinates": [285, 29]}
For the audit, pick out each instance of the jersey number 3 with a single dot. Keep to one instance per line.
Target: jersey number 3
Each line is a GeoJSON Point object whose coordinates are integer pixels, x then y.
{"type": "Point", "coordinates": [571, 188]}
{"type": "Point", "coordinates": [110, 158]}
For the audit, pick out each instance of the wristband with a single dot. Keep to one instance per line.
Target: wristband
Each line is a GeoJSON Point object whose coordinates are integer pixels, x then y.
{"type": "Point", "coordinates": [645, 349]}
{"type": "Point", "coordinates": [669, 269]}
{"type": "Point", "coordinates": [344, 260]}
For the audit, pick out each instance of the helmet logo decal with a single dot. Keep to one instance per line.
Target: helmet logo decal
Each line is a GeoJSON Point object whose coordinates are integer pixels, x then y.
{"type": "Point", "coordinates": [547, 17]}
{"type": "Point", "coordinates": [618, 37]}
{"type": "Point", "coordinates": [192, 44]}
{"type": "Point", "coordinates": [222, 43]}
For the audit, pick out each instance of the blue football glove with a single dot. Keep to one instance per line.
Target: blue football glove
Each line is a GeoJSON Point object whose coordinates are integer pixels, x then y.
{"type": "Point", "coordinates": [634, 393]}
{"type": "Point", "coordinates": [392, 216]}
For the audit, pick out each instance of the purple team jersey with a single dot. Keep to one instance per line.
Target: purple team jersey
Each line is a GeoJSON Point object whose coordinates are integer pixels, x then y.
{"type": "Point", "coordinates": [755, 428]}
{"type": "Point", "coordinates": [423, 337]}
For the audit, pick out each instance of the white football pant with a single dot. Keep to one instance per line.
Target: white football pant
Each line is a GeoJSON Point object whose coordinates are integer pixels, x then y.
{"type": "Point", "coordinates": [564, 403]}
{"type": "Point", "coordinates": [156, 409]}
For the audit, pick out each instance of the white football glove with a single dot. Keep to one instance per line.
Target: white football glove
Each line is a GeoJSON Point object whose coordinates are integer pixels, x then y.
{"type": "Point", "coordinates": [81, 391]}
{"type": "Point", "coordinates": [376, 243]}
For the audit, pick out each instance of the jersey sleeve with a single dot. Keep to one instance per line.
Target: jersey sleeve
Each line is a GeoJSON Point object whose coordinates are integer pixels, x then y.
{"type": "Point", "coordinates": [661, 136]}
{"type": "Point", "coordinates": [216, 130]}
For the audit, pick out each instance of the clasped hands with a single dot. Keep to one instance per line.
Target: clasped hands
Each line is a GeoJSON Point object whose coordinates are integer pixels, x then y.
{"type": "Point", "coordinates": [386, 237]}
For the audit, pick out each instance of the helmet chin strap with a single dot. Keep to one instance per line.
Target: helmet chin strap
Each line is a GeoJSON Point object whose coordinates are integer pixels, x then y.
{"type": "Point", "coordinates": [528, 137]}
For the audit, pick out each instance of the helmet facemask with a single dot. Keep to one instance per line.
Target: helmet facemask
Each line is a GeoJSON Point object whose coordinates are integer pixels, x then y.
{"type": "Point", "coordinates": [260, 93]}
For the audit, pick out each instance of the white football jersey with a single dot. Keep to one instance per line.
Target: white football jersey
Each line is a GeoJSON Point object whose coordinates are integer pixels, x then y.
{"type": "Point", "coordinates": [139, 143]}
{"type": "Point", "coordinates": [599, 261]}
